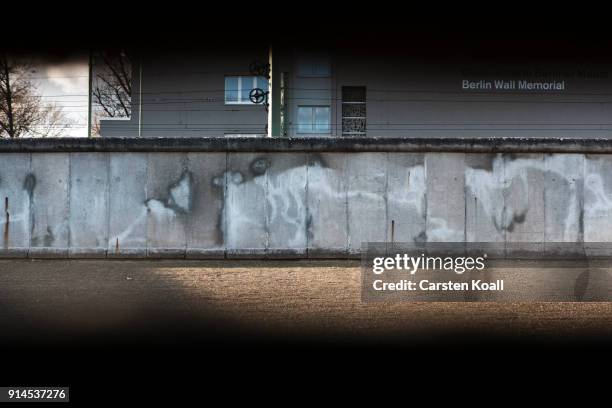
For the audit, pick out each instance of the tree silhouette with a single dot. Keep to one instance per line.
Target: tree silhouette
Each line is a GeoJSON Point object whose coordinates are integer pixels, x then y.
{"type": "Point", "coordinates": [22, 112]}
{"type": "Point", "coordinates": [112, 88]}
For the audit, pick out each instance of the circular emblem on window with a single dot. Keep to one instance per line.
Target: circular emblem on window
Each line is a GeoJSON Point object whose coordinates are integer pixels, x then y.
{"type": "Point", "coordinates": [257, 95]}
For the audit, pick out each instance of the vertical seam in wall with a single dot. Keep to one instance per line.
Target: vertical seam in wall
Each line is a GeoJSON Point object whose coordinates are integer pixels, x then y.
{"type": "Point", "coordinates": [346, 202]}
{"type": "Point", "coordinates": [266, 215]}
{"type": "Point", "coordinates": [425, 198]}
{"type": "Point", "coordinates": [465, 196]}
{"type": "Point", "coordinates": [187, 226]}
{"type": "Point", "coordinates": [465, 212]}
{"type": "Point", "coordinates": [582, 197]}
{"type": "Point", "coordinates": [30, 207]}
{"type": "Point", "coordinates": [504, 209]}
{"type": "Point", "coordinates": [426, 206]}
{"type": "Point", "coordinates": [225, 203]}
{"type": "Point", "coordinates": [69, 181]}
{"type": "Point", "coordinates": [307, 222]}
{"type": "Point", "coordinates": [544, 189]}
{"type": "Point", "coordinates": [108, 198]}
{"type": "Point", "coordinates": [147, 214]}
{"type": "Point", "coordinates": [386, 197]}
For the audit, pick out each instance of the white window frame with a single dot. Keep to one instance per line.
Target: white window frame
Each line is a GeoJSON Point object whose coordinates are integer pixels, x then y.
{"type": "Point", "coordinates": [313, 131]}
{"type": "Point", "coordinates": [240, 89]}
{"type": "Point", "coordinates": [364, 118]}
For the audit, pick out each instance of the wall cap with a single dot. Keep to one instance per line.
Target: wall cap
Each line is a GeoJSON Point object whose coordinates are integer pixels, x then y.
{"type": "Point", "coordinates": [312, 144]}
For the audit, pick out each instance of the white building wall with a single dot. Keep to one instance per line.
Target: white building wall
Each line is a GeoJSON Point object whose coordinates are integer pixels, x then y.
{"type": "Point", "coordinates": [183, 96]}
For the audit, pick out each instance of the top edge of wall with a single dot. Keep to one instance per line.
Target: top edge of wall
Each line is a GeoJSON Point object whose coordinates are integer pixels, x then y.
{"type": "Point", "coordinates": [312, 144]}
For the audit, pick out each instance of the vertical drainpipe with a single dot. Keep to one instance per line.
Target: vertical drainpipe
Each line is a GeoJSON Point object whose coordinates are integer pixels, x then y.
{"type": "Point", "coordinates": [283, 105]}
{"type": "Point", "coordinates": [270, 94]}
{"type": "Point", "coordinates": [89, 95]}
{"type": "Point", "coordinates": [140, 97]}
{"type": "Point", "coordinates": [274, 116]}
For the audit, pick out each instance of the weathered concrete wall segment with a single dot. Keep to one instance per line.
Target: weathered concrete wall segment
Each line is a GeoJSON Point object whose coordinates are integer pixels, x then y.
{"type": "Point", "coordinates": [293, 204]}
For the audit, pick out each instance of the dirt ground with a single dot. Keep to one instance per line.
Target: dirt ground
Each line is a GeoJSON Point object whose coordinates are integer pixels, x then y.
{"type": "Point", "coordinates": [297, 298]}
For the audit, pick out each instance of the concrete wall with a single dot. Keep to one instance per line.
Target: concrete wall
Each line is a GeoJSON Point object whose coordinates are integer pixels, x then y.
{"type": "Point", "coordinates": [293, 204]}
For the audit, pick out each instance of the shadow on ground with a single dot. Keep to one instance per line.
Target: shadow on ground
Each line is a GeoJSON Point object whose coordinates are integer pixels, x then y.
{"type": "Point", "coordinates": [106, 303]}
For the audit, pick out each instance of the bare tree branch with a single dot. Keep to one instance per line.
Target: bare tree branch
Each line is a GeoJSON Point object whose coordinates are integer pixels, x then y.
{"type": "Point", "coordinates": [112, 90]}
{"type": "Point", "coordinates": [22, 113]}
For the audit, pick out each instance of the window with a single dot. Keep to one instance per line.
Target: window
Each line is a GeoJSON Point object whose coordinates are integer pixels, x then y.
{"type": "Point", "coordinates": [110, 92]}
{"type": "Point", "coordinates": [313, 119]}
{"type": "Point", "coordinates": [353, 111]}
{"type": "Point", "coordinates": [314, 66]}
{"type": "Point", "coordinates": [238, 88]}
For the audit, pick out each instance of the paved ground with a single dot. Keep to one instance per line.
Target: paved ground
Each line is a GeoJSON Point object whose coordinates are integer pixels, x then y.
{"type": "Point", "coordinates": [307, 299]}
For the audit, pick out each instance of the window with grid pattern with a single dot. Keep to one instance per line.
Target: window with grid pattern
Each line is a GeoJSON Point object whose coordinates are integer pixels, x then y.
{"type": "Point", "coordinates": [353, 111]}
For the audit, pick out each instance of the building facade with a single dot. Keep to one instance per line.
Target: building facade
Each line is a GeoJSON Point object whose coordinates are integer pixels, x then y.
{"type": "Point", "coordinates": [344, 91]}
